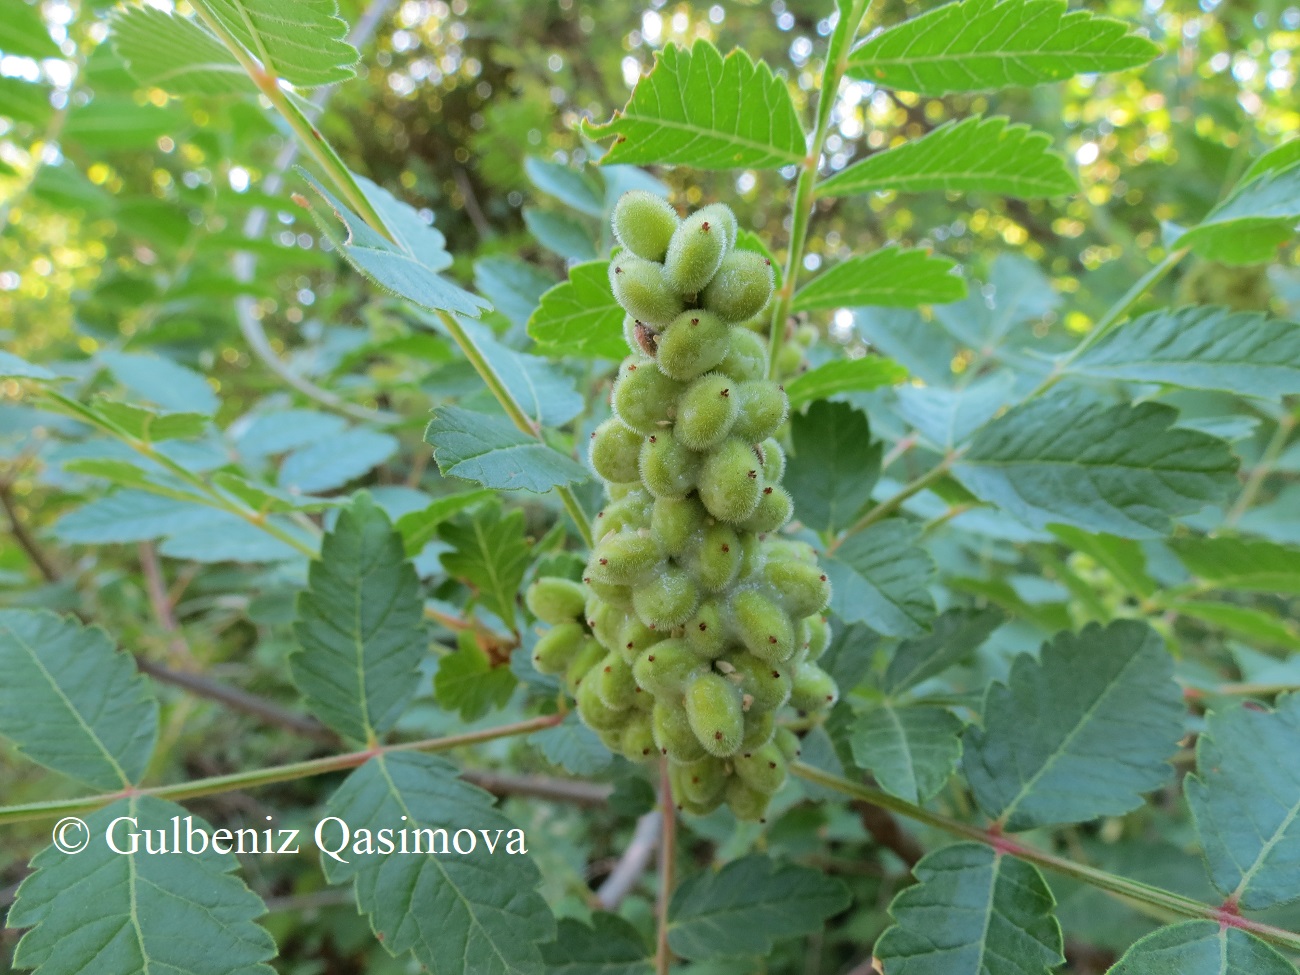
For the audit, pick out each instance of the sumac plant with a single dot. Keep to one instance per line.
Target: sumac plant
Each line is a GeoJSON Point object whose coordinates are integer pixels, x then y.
{"type": "Point", "coordinates": [751, 604]}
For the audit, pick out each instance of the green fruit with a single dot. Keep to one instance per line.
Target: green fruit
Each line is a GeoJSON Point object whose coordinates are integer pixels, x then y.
{"type": "Point", "coordinates": [802, 589]}
{"type": "Point", "coordinates": [673, 734]}
{"type": "Point", "coordinates": [612, 595]}
{"type": "Point", "coordinates": [746, 803]}
{"type": "Point", "coordinates": [819, 636]}
{"type": "Point", "coordinates": [720, 214]}
{"type": "Point", "coordinates": [677, 780]}
{"type": "Point", "coordinates": [644, 223]}
{"type": "Point", "coordinates": [668, 468]}
{"type": "Point", "coordinates": [789, 359]}
{"type": "Point", "coordinates": [555, 600]}
{"type": "Point", "coordinates": [788, 742]}
{"type": "Point", "coordinates": [806, 335]}
{"type": "Point", "coordinates": [703, 781]}
{"type": "Point", "coordinates": [773, 460]}
{"type": "Point", "coordinates": [729, 483]}
{"type": "Point", "coordinates": [675, 523]}
{"type": "Point", "coordinates": [713, 708]}
{"type": "Point", "coordinates": [694, 343]}
{"type": "Point", "coordinates": [761, 407]}
{"type": "Point", "coordinates": [706, 412]}
{"type": "Point", "coordinates": [633, 639]}
{"type": "Point", "coordinates": [614, 450]}
{"type": "Point", "coordinates": [644, 398]}
{"type": "Point", "coordinates": [640, 287]}
{"type": "Point", "coordinates": [759, 726]}
{"type": "Point", "coordinates": [614, 682]}
{"type": "Point", "coordinates": [767, 684]}
{"type": "Point", "coordinates": [624, 557]}
{"type": "Point", "coordinates": [814, 689]}
{"type": "Point", "coordinates": [746, 356]}
{"type": "Point", "coordinates": [667, 599]}
{"type": "Point", "coordinates": [774, 510]}
{"type": "Point", "coordinates": [763, 626]}
{"type": "Point", "coordinates": [695, 253]}
{"type": "Point", "coordinates": [557, 646]}
{"type": "Point", "coordinates": [740, 288]}
{"type": "Point", "coordinates": [762, 769]}
{"type": "Point", "coordinates": [665, 668]}
{"type": "Point", "coordinates": [705, 631]}
{"type": "Point", "coordinates": [638, 741]}
{"type": "Point", "coordinates": [595, 713]}
{"type": "Point", "coordinates": [588, 657]}
{"type": "Point", "coordinates": [630, 511]}
{"type": "Point", "coordinates": [716, 560]}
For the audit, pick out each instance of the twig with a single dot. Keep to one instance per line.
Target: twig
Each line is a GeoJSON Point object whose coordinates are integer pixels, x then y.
{"type": "Point", "coordinates": [572, 791]}
{"type": "Point", "coordinates": [1261, 471]}
{"type": "Point", "coordinates": [632, 864]}
{"type": "Point", "coordinates": [25, 539]}
{"type": "Point", "coordinates": [667, 869]}
{"type": "Point", "coordinates": [886, 831]}
{"type": "Point", "coordinates": [472, 208]}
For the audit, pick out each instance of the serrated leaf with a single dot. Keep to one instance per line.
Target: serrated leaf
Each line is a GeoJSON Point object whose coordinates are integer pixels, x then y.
{"type": "Point", "coordinates": [360, 626]}
{"type": "Point", "coordinates": [984, 45]}
{"type": "Point", "coordinates": [1241, 564]}
{"type": "Point", "coordinates": [971, 907]}
{"type": "Point", "coordinates": [162, 381]}
{"type": "Point", "coordinates": [911, 751]}
{"type": "Point", "coordinates": [71, 701]}
{"type": "Point", "coordinates": [892, 277]}
{"type": "Point", "coordinates": [561, 233]}
{"type": "Point", "coordinates": [1201, 348]}
{"type": "Point", "coordinates": [1017, 292]}
{"type": "Point", "coordinates": [1249, 225]}
{"type": "Point", "coordinates": [150, 425]}
{"type": "Point", "coordinates": [956, 634]}
{"type": "Point", "coordinates": [749, 905]}
{"type": "Point", "coordinates": [1123, 558]}
{"type": "Point", "coordinates": [971, 155]}
{"type": "Point", "coordinates": [264, 498]}
{"type": "Point", "coordinates": [1083, 731]}
{"type": "Point", "coordinates": [417, 528]}
{"type": "Point", "coordinates": [490, 450]}
{"type": "Point", "coordinates": [398, 269]}
{"type": "Point", "coordinates": [843, 376]}
{"type": "Point", "coordinates": [472, 914]}
{"type": "Point", "coordinates": [220, 536]}
{"type": "Point", "coordinates": [163, 50]}
{"type": "Point", "coordinates": [489, 553]}
{"type": "Point", "coordinates": [946, 418]}
{"type": "Point", "coordinates": [301, 42]}
{"type": "Point", "coordinates": [1122, 469]}
{"type": "Point", "coordinates": [1202, 948]}
{"type": "Point", "coordinates": [567, 184]}
{"type": "Point", "coordinates": [126, 913]}
{"type": "Point", "coordinates": [23, 32]}
{"type": "Point", "coordinates": [467, 683]}
{"type": "Point", "coordinates": [833, 467]}
{"type": "Point", "coordinates": [417, 236]}
{"type": "Point", "coordinates": [1253, 623]}
{"type": "Point", "coordinates": [128, 516]}
{"type": "Point", "coordinates": [330, 464]}
{"type": "Point", "coordinates": [574, 747]}
{"type": "Point", "coordinates": [851, 655]}
{"type": "Point", "coordinates": [1245, 800]}
{"type": "Point", "coordinates": [881, 577]}
{"type": "Point", "coordinates": [12, 367]}
{"type": "Point", "coordinates": [284, 430]}
{"type": "Point", "coordinates": [24, 102]}
{"type": "Point", "coordinates": [579, 317]}
{"type": "Point", "coordinates": [923, 348]}
{"type": "Point", "coordinates": [610, 946]}
{"type": "Point", "coordinates": [516, 286]}
{"type": "Point", "coordinates": [696, 108]}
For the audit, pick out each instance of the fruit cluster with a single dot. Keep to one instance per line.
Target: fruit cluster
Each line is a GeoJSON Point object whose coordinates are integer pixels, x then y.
{"type": "Point", "coordinates": [694, 622]}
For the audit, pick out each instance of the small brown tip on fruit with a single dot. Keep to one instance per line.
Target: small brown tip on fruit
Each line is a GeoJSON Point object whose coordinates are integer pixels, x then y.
{"type": "Point", "coordinates": [618, 270]}
{"type": "Point", "coordinates": [705, 226]}
{"type": "Point", "coordinates": [753, 475]}
{"type": "Point", "coordinates": [717, 736]}
{"type": "Point", "coordinates": [771, 639]}
{"type": "Point", "coordinates": [767, 490]}
{"type": "Point", "coordinates": [703, 627]}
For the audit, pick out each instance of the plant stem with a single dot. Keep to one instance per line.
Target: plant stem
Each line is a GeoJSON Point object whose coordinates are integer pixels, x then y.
{"type": "Point", "coordinates": [276, 773]}
{"type": "Point", "coordinates": [837, 59]}
{"type": "Point", "coordinates": [1175, 904]}
{"type": "Point", "coordinates": [892, 504]}
{"type": "Point", "coordinates": [1276, 444]}
{"type": "Point", "coordinates": [667, 870]}
{"type": "Point", "coordinates": [25, 539]}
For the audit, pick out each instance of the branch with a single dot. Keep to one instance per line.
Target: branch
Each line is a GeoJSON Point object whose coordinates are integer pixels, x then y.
{"type": "Point", "coordinates": [886, 831]}
{"type": "Point", "coordinates": [23, 536]}
{"type": "Point", "coordinates": [667, 870]}
{"type": "Point", "coordinates": [632, 864]}
{"type": "Point", "coordinates": [572, 791]}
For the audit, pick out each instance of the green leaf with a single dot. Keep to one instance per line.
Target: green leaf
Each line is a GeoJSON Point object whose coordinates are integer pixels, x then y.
{"type": "Point", "coordinates": [360, 626]}
{"type": "Point", "coordinates": [834, 465]}
{"type": "Point", "coordinates": [749, 905]}
{"type": "Point", "coordinates": [1201, 348]}
{"type": "Point", "coordinates": [490, 553]}
{"type": "Point", "coordinates": [400, 270]}
{"type": "Point", "coordinates": [971, 155]}
{"type": "Point", "coordinates": [1249, 225]}
{"type": "Point", "coordinates": [150, 425]}
{"type": "Point", "coordinates": [566, 184]}
{"type": "Point", "coordinates": [697, 108]}
{"type": "Point", "coordinates": [1248, 621]}
{"type": "Point", "coordinates": [73, 702]}
{"type": "Point", "coordinates": [23, 33]}
{"type": "Point", "coordinates": [417, 528]}
{"type": "Point", "coordinates": [264, 498]}
{"type": "Point", "coordinates": [128, 516]}
{"type": "Point", "coordinates": [467, 683]}
{"type": "Point", "coordinates": [911, 751]}
{"type": "Point", "coordinates": [516, 286]}
{"type": "Point", "coordinates": [1245, 799]}
{"type": "Point", "coordinates": [1202, 948]}
{"type": "Point", "coordinates": [892, 277]}
{"type": "Point", "coordinates": [162, 381]}
{"type": "Point", "coordinates": [974, 912]}
{"type": "Point", "coordinates": [25, 101]}
{"type": "Point", "coordinates": [1240, 564]}
{"type": "Point", "coordinates": [1125, 470]}
{"type": "Point", "coordinates": [1123, 558]}
{"type": "Point", "coordinates": [984, 45]}
{"type": "Point", "coordinates": [579, 318]}
{"type": "Point", "coordinates": [574, 747]}
{"type": "Point", "coordinates": [1081, 732]}
{"type": "Point", "coordinates": [851, 654]}
{"type": "Point", "coordinates": [12, 367]}
{"type": "Point", "coordinates": [956, 634]}
{"type": "Point", "coordinates": [490, 450]}
{"type": "Point", "coordinates": [412, 232]}
{"type": "Point", "coordinates": [881, 577]}
{"type": "Point", "coordinates": [123, 914]}
{"type": "Point", "coordinates": [843, 376]}
{"type": "Point", "coordinates": [561, 233]}
{"type": "Point", "coordinates": [301, 42]}
{"type": "Point", "coordinates": [610, 946]}
{"type": "Point", "coordinates": [163, 50]}
{"type": "Point", "coordinates": [331, 463]}
{"type": "Point", "coordinates": [473, 914]}
{"type": "Point", "coordinates": [946, 418]}
{"type": "Point", "coordinates": [1017, 292]}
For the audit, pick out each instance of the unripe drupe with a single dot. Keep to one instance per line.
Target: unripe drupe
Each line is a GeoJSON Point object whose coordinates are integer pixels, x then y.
{"type": "Point", "coordinates": [716, 560]}
{"type": "Point", "coordinates": [638, 741]}
{"type": "Point", "coordinates": [713, 707]}
{"type": "Point", "coordinates": [590, 654]}
{"type": "Point", "coordinates": [746, 803]}
{"type": "Point", "coordinates": [746, 356]}
{"type": "Point", "coordinates": [706, 412]}
{"type": "Point", "coordinates": [640, 287]}
{"type": "Point", "coordinates": [694, 253]}
{"type": "Point", "coordinates": [705, 631]}
{"type": "Point", "coordinates": [768, 684]}
{"type": "Point", "coordinates": [763, 626]}
{"type": "Point", "coordinates": [740, 288]}
{"type": "Point", "coordinates": [720, 215]}
{"type": "Point", "coordinates": [594, 711]}
{"type": "Point", "coordinates": [614, 682]}
{"type": "Point", "coordinates": [644, 398]}
{"type": "Point", "coordinates": [614, 450]}
{"type": "Point", "coordinates": [644, 224]}
{"type": "Point", "coordinates": [761, 407]}
{"type": "Point", "coordinates": [555, 600]}
{"type": "Point", "coordinates": [774, 509]}
{"type": "Point", "coordinates": [664, 669]}
{"type": "Point", "coordinates": [675, 522]}
{"type": "Point", "coordinates": [803, 589]}
{"type": "Point", "coordinates": [762, 769]}
{"type": "Point", "coordinates": [557, 647]}
{"type": "Point", "coordinates": [773, 459]}
{"type": "Point", "coordinates": [624, 557]}
{"type": "Point", "coordinates": [692, 344]}
{"type": "Point", "coordinates": [814, 689]}
{"type": "Point", "coordinates": [668, 468]}
{"type": "Point", "coordinates": [672, 731]}
{"type": "Point", "coordinates": [667, 599]}
{"type": "Point", "coordinates": [730, 483]}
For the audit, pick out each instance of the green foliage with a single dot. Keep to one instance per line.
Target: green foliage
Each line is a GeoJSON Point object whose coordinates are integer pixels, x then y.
{"type": "Point", "coordinates": [487, 449]}
{"type": "Point", "coordinates": [302, 42]}
{"type": "Point", "coordinates": [892, 277]}
{"type": "Point", "coordinates": [882, 577]}
{"type": "Point", "coordinates": [911, 751]}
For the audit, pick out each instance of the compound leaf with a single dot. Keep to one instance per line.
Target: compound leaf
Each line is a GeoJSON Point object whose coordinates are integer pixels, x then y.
{"type": "Point", "coordinates": [163, 50]}
{"type": "Point", "coordinates": [1248, 226]}
{"type": "Point", "coordinates": [467, 683]}
{"type": "Point", "coordinates": [843, 376]}
{"type": "Point", "coordinates": [1202, 948]}
{"type": "Point", "coordinates": [490, 553]}
{"type": "Point", "coordinates": [956, 634]}
{"type": "Point", "coordinates": [833, 467]}
{"type": "Point", "coordinates": [881, 577]}
{"type": "Point", "coordinates": [579, 317]}
{"type": "Point", "coordinates": [300, 41]}
{"type": "Point", "coordinates": [1245, 565]}
{"type": "Point", "coordinates": [911, 751]}
{"type": "Point", "coordinates": [892, 277]}
{"type": "Point", "coordinates": [492, 451]}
